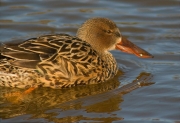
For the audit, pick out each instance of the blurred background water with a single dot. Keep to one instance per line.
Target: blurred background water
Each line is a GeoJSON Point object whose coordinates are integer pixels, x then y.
{"type": "Point", "coordinates": [153, 25]}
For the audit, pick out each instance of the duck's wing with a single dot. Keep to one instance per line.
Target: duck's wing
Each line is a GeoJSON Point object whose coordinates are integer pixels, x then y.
{"type": "Point", "coordinates": [47, 48]}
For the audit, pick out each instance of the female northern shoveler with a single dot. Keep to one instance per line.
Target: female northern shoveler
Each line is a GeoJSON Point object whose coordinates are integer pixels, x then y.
{"type": "Point", "coordinates": [61, 60]}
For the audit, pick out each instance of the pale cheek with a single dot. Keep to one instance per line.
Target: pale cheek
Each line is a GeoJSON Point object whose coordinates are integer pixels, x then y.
{"type": "Point", "coordinates": [113, 47]}
{"type": "Point", "coordinates": [119, 40]}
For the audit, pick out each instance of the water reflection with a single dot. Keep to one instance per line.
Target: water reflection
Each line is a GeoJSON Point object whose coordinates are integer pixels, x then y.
{"type": "Point", "coordinates": [67, 105]}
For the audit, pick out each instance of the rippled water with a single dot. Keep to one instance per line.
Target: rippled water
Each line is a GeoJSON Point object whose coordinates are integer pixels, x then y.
{"type": "Point", "coordinates": [153, 25]}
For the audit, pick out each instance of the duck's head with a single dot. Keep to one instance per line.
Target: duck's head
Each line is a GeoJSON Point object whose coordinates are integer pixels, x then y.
{"type": "Point", "coordinates": [104, 35]}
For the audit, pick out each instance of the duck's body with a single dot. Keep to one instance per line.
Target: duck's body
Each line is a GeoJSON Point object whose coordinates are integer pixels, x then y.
{"type": "Point", "coordinates": [56, 61]}
{"type": "Point", "coordinates": [62, 60]}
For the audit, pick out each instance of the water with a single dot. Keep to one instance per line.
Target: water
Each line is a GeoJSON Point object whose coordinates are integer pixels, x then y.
{"type": "Point", "coordinates": [153, 25]}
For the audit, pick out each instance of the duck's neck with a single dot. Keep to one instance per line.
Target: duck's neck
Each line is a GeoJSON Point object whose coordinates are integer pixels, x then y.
{"type": "Point", "coordinates": [109, 59]}
{"type": "Point", "coordinates": [107, 56]}
{"type": "Point", "coordinates": [110, 63]}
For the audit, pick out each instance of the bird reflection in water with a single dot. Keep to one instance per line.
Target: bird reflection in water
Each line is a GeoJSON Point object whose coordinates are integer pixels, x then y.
{"type": "Point", "coordinates": [47, 103]}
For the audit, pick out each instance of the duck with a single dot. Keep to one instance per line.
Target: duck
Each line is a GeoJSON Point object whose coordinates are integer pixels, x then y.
{"type": "Point", "coordinates": [61, 60]}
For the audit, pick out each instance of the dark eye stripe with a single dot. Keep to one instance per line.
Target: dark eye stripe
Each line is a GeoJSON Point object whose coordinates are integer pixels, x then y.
{"type": "Point", "coordinates": [117, 34]}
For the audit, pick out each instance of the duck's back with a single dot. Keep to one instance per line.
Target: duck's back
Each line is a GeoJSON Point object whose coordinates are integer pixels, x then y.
{"type": "Point", "coordinates": [54, 61]}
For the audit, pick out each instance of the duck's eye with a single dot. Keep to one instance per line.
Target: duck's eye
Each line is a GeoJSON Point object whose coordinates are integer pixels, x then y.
{"type": "Point", "coordinates": [109, 31]}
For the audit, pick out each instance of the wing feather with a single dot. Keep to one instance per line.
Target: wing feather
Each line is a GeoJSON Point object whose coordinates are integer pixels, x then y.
{"type": "Point", "coordinates": [47, 48]}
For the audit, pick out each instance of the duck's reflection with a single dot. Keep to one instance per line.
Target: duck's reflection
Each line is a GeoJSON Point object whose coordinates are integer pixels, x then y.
{"type": "Point", "coordinates": [71, 104]}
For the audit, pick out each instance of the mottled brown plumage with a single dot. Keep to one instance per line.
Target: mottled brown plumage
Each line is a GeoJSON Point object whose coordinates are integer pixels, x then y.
{"type": "Point", "coordinates": [61, 60]}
